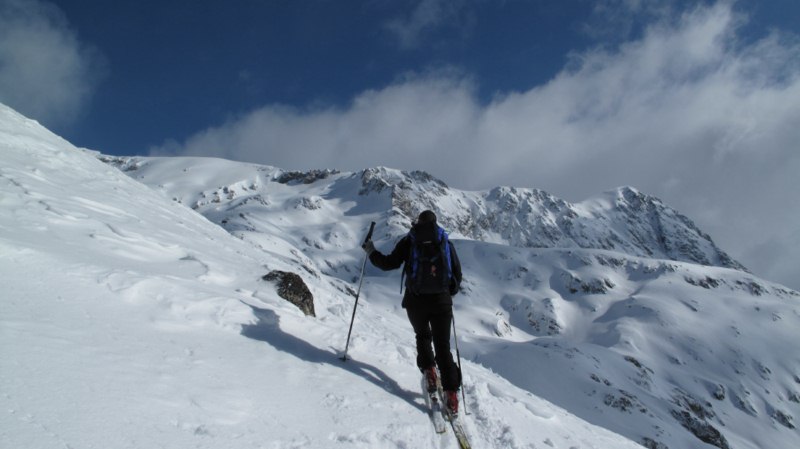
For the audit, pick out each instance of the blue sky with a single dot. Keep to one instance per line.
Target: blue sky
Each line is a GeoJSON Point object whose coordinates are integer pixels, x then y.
{"type": "Point", "coordinates": [173, 68]}
{"type": "Point", "coordinates": [166, 69]}
{"type": "Point", "coordinates": [694, 102]}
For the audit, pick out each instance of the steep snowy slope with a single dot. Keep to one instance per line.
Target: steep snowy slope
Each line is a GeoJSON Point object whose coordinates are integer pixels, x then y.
{"type": "Point", "coordinates": [617, 309]}
{"type": "Point", "coordinates": [129, 320]}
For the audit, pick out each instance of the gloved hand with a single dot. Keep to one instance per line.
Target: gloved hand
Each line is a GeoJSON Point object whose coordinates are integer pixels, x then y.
{"type": "Point", "coordinates": [454, 287]}
{"type": "Point", "coordinates": [368, 247]}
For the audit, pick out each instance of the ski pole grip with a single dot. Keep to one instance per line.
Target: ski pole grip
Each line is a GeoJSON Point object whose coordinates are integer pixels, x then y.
{"type": "Point", "coordinates": [369, 234]}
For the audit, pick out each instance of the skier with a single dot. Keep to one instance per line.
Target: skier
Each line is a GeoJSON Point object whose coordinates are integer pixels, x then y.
{"type": "Point", "coordinates": [428, 299]}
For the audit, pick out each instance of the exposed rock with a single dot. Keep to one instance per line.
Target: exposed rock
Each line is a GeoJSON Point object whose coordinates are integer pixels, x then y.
{"type": "Point", "coordinates": [702, 410]}
{"type": "Point", "coordinates": [644, 378]}
{"type": "Point", "coordinates": [704, 431]}
{"type": "Point", "coordinates": [309, 203]}
{"type": "Point", "coordinates": [707, 282]}
{"type": "Point", "coordinates": [753, 287]}
{"type": "Point", "coordinates": [125, 164]}
{"type": "Point", "coordinates": [742, 402]}
{"type": "Point", "coordinates": [784, 419]}
{"type": "Point", "coordinates": [292, 288]}
{"type": "Point", "coordinates": [719, 393]}
{"type": "Point", "coordinates": [592, 286]}
{"type": "Point", "coordinates": [372, 181]}
{"type": "Point", "coordinates": [543, 324]}
{"type": "Point", "coordinates": [625, 402]}
{"type": "Point", "coordinates": [609, 261]}
{"type": "Point", "coordinates": [650, 443]}
{"type": "Point", "coordinates": [694, 416]}
{"type": "Point", "coordinates": [597, 379]}
{"type": "Point", "coordinates": [309, 177]}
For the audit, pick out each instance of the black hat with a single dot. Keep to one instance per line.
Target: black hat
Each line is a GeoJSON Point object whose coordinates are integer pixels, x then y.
{"type": "Point", "coordinates": [426, 217]}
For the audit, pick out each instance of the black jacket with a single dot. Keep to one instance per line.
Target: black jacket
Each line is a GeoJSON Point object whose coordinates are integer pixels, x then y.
{"type": "Point", "coordinates": [399, 256]}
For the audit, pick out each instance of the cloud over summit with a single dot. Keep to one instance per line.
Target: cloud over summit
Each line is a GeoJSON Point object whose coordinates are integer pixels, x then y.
{"type": "Point", "coordinates": [45, 71]}
{"type": "Point", "coordinates": [687, 111]}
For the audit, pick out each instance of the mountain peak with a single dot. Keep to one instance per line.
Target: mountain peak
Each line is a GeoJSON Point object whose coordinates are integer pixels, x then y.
{"type": "Point", "coordinates": [659, 228]}
{"type": "Point", "coordinates": [393, 177]}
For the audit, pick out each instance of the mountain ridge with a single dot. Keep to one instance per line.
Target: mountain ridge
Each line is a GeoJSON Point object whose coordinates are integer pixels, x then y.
{"type": "Point", "coordinates": [623, 219]}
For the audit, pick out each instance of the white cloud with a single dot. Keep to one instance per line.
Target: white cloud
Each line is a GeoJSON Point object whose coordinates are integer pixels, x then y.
{"type": "Point", "coordinates": [45, 72]}
{"type": "Point", "coordinates": [392, 126]}
{"type": "Point", "coordinates": [688, 113]}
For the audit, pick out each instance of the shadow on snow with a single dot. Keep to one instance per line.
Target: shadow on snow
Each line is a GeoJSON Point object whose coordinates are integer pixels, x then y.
{"type": "Point", "coordinates": [268, 330]}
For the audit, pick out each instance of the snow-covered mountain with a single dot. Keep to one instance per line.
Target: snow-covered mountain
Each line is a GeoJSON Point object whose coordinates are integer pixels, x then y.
{"type": "Point", "coordinates": [131, 320]}
{"type": "Point", "coordinates": [623, 220]}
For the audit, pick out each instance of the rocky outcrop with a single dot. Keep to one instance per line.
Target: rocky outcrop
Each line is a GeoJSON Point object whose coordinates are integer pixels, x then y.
{"type": "Point", "coordinates": [694, 415]}
{"type": "Point", "coordinates": [291, 287]}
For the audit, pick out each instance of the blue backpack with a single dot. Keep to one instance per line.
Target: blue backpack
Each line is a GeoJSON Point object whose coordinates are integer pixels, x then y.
{"type": "Point", "coordinates": [429, 267]}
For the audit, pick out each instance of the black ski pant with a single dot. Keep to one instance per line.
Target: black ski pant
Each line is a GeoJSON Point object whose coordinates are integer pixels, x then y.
{"type": "Point", "coordinates": [432, 325]}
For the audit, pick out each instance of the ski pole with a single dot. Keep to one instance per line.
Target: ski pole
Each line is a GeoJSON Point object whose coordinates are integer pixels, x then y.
{"type": "Point", "coordinates": [358, 293]}
{"type": "Point", "coordinates": [458, 354]}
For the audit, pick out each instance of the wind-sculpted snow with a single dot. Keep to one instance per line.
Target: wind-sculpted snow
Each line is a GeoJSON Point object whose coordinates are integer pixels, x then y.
{"type": "Point", "coordinates": [137, 316]}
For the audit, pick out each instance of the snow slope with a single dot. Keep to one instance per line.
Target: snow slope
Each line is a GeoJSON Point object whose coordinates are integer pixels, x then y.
{"type": "Point", "coordinates": [129, 320]}
{"type": "Point", "coordinates": [618, 309]}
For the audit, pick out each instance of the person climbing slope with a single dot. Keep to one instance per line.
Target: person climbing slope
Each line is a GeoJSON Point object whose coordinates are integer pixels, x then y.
{"type": "Point", "coordinates": [432, 274]}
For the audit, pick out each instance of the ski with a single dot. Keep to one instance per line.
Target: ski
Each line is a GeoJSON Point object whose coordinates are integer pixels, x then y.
{"type": "Point", "coordinates": [436, 411]}
{"type": "Point", "coordinates": [455, 423]}
{"type": "Point", "coordinates": [460, 433]}
{"type": "Point", "coordinates": [440, 414]}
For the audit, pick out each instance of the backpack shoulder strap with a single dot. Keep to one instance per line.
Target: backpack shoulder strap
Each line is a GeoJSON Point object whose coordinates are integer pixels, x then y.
{"type": "Point", "coordinates": [444, 241]}
{"type": "Point", "coordinates": [409, 259]}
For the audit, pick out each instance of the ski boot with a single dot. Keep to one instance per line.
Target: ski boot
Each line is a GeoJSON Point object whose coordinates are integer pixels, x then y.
{"type": "Point", "coordinates": [451, 402]}
{"type": "Point", "coordinates": [431, 379]}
